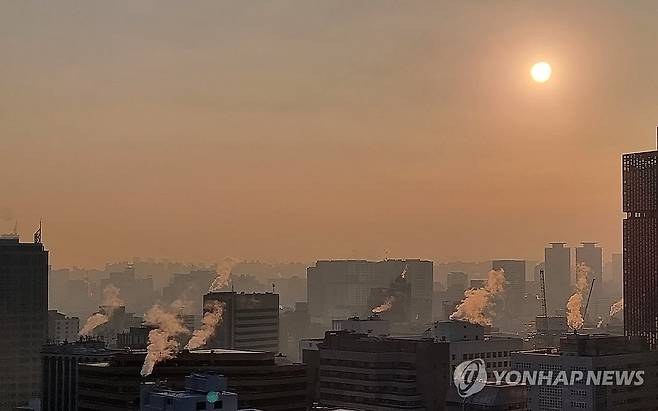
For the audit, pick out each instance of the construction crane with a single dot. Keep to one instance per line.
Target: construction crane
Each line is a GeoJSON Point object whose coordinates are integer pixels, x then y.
{"type": "Point", "coordinates": [588, 297]}
{"type": "Point", "coordinates": [544, 306]}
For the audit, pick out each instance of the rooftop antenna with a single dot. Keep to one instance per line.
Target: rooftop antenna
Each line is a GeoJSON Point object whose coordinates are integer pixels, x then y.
{"type": "Point", "coordinates": [273, 288]}
{"type": "Point", "coordinates": [15, 232]}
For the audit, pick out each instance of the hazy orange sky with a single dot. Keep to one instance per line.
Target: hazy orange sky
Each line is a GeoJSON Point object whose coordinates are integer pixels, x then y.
{"type": "Point", "coordinates": [295, 130]}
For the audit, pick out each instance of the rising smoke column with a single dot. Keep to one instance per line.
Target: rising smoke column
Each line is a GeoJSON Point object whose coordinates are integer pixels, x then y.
{"type": "Point", "coordinates": [111, 301]}
{"type": "Point", "coordinates": [575, 303]}
{"type": "Point", "coordinates": [223, 275]}
{"type": "Point", "coordinates": [616, 307]}
{"type": "Point", "coordinates": [162, 340]}
{"type": "Point", "coordinates": [212, 317]}
{"type": "Point", "coordinates": [478, 304]}
{"type": "Point", "coordinates": [388, 303]}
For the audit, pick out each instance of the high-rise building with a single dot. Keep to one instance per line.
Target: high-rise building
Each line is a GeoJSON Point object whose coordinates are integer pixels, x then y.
{"type": "Point", "coordinates": [640, 245]}
{"type": "Point", "coordinates": [62, 328]}
{"type": "Point", "coordinates": [23, 317]}
{"type": "Point", "coordinates": [591, 353]}
{"type": "Point", "coordinates": [515, 284]}
{"type": "Point", "coordinates": [363, 372]}
{"type": "Point", "coordinates": [250, 321]}
{"type": "Point", "coordinates": [557, 275]}
{"type": "Point", "coordinates": [592, 256]}
{"type": "Point", "coordinates": [342, 288]}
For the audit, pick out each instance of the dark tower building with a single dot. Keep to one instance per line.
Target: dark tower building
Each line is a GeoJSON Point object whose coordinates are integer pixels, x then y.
{"type": "Point", "coordinates": [24, 318]}
{"type": "Point", "coordinates": [515, 287]}
{"type": "Point", "coordinates": [640, 245]}
{"type": "Point", "coordinates": [557, 260]}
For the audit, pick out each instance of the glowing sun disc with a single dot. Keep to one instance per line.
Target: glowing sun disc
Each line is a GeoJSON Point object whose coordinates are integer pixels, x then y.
{"type": "Point", "coordinates": [541, 72]}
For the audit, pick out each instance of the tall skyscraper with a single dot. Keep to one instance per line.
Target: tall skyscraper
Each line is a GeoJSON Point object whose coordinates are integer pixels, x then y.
{"type": "Point", "coordinates": [640, 245]}
{"type": "Point", "coordinates": [592, 256]}
{"type": "Point", "coordinates": [557, 262]}
{"type": "Point", "coordinates": [515, 287]}
{"type": "Point", "coordinates": [24, 319]}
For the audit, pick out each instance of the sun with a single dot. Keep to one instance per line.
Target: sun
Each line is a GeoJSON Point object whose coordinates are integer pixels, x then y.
{"type": "Point", "coordinates": [541, 72]}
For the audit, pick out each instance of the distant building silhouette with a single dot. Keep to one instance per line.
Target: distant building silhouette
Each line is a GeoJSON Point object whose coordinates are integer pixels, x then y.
{"type": "Point", "coordinates": [342, 288]}
{"type": "Point", "coordinates": [515, 285]}
{"type": "Point", "coordinates": [62, 328]}
{"type": "Point", "coordinates": [23, 317]}
{"type": "Point", "coordinates": [640, 245]}
{"type": "Point", "coordinates": [557, 263]}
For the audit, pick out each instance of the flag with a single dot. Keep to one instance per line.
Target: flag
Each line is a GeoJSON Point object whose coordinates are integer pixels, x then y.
{"type": "Point", "coordinates": [37, 235]}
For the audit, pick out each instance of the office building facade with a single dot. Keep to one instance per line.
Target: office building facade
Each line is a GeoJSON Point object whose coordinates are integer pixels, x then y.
{"type": "Point", "coordinates": [60, 371]}
{"type": "Point", "coordinates": [24, 319]}
{"type": "Point", "coordinates": [250, 321]}
{"type": "Point", "coordinates": [363, 372]}
{"type": "Point", "coordinates": [62, 328]}
{"type": "Point", "coordinates": [592, 353]}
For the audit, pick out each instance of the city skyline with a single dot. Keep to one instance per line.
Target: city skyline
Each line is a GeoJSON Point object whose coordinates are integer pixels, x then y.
{"type": "Point", "coordinates": [293, 132]}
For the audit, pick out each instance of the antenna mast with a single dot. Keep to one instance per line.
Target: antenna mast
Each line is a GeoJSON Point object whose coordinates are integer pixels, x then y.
{"type": "Point", "coordinates": [543, 293]}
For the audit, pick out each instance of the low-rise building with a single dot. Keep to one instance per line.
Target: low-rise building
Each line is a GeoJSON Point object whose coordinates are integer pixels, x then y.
{"type": "Point", "coordinates": [202, 392]}
{"type": "Point", "coordinates": [260, 379]}
{"type": "Point", "coordinates": [592, 353]}
{"type": "Point", "coordinates": [60, 371]}
{"type": "Point", "coordinates": [62, 328]}
{"type": "Point", "coordinates": [469, 341]}
{"type": "Point", "coordinates": [250, 321]}
{"type": "Point", "coordinates": [362, 372]}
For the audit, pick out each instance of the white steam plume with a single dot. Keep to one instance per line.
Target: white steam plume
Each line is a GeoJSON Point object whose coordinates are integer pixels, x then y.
{"type": "Point", "coordinates": [575, 303]}
{"type": "Point", "coordinates": [388, 304]}
{"type": "Point", "coordinates": [223, 274]}
{"type": "Point", "coordinates": [111, 301]}
{"type": "Point", "coordinates": [92, 322]}
{"type": "Point", "coordinates": [212, 317]}
{"type": "Point", "coordinates": [616, 307]}
{"type": "Point", "coordinates": [478, 304]}
{"type": "Point", "coordinates": [162, 340]}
